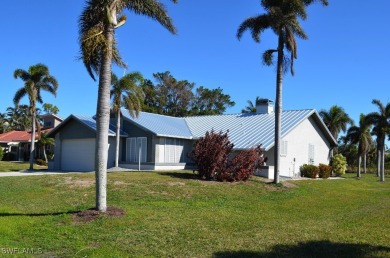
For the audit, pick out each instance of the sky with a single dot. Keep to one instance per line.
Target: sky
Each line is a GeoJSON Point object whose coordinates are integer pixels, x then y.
{"type": "Point", "coordinates": [344, 62]}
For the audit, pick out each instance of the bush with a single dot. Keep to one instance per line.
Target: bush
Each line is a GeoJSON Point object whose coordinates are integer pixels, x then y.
{"type": "Point", "coordinates": [339, 164]}
{"type": "Point", "coordinates": [41, 162]}
{"type": "Point", "coordinates": [324, 171]}
{"type": "Point", "coordinates": [1, 153]}
{"type": "Point", "coordinates": [243, 165]}
{"type": "Point", "coordinates": [211, 155]}
{"type": "Point", "coordinates": [310, 171]}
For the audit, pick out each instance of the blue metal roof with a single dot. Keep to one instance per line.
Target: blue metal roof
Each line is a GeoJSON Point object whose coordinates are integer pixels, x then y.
{"type": "Point", "coordinates": [248, 130]}
{"type": "Point", "coordinates": [160, 125]}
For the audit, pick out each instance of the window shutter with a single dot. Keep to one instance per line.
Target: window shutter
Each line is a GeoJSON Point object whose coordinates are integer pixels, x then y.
{"type": "Point", "coordinates": [311, 154]}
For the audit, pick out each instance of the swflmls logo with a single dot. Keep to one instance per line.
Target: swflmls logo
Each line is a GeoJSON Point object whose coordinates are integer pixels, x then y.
{"type": "Point", "coordinates": [21, 251]}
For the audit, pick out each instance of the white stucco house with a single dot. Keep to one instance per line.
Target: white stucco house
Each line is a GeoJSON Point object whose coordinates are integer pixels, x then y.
{"type": "Point", "coordinates": [158, 142]}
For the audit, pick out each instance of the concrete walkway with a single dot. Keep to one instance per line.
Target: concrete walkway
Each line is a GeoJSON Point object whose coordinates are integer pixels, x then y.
{"type": "Point", "coordinates": [47, 172]}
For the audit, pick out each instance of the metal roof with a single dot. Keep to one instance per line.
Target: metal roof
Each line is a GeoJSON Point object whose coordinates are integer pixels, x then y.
{"type": "Point", "coordinates": [249, 130]}
{"type": "Point", "coordinates": [160, 125]}
{"type": "Point", "coordinates": [88, 121]}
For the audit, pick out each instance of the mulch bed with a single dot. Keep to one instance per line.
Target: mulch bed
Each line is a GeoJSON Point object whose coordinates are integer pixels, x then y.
{"type": "Point", "coordinates": [92, 214]}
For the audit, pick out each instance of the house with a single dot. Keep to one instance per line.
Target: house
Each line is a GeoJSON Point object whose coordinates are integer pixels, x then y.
{"type": "Point", "coordinates": [17, 143]}
{"type": "Point", "coordinates": [158, 142]}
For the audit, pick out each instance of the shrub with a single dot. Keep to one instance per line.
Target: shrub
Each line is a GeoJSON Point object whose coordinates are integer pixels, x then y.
{"type": "Point", "coordinates": [211, 155]}
{"type": "Point", "coordinates": [243, 165]}
{"type": "Point", "coordinates": [339, 164]}
{"type": "Point", "coordinates": [1, 153]}
{"type": "Point", "coordinates": [41, 162]}
{"type": "Point", "coordinates": [324, 171]}
{"type": "Point", "coordinates": [310, 171]}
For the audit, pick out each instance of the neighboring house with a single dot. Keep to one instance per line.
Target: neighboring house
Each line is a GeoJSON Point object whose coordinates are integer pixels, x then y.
{"type": "Point", "coordinates": [158, 142]}
{"type": "Point", "coordinates": [17, 143]}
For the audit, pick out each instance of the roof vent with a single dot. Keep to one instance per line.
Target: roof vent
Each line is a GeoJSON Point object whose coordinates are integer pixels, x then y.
{"type": "Point", "coordinates": [264, 106]}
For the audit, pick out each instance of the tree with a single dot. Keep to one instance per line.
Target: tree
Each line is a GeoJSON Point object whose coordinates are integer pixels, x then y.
{"type": "Point", "coordinates": [361, 135]}
{"type": "Point", "coordinates": [4, 124]}
{"type": "Point", "coordinates": [251, 108]}
{"type": "Point", "coordinates": [125, 92]}
{"type": "Point", "coordinates": [50, 109]}
{"type": "Point", "coordinates": [210, 102]}
{"type": "Point", "coordinates": [36, 79]}
{"type": "Point", "coordinates": [19, 118]}
{"type": "Point", "coordinates": [174, 96]}
{"type": "Point", "coordinates": [381, 122]}
{"type": "Point", "coordinates": [97, 24]}
{"type": "Point", "coordinates": [282, 16]}
{"type": "Point", "coordinates": [43, 141]}
{"type": "Point", "coordinates": [336, 120]}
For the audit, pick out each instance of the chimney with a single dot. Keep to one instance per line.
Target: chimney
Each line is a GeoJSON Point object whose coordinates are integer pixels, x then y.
{"type": "Point", "coordinates": [264, 106]}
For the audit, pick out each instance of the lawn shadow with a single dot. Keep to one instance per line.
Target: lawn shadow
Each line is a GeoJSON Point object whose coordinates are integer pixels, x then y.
{"type": "Point", "coordinates": [181, 175]}
{"type": "Point", "coordinates": [318, 249]}
{"type": "Point", "coordinates": [11, 214]}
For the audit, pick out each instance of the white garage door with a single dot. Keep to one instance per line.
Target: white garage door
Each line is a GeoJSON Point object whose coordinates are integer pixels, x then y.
{"type": "Point", "coordinates": [78, 155]}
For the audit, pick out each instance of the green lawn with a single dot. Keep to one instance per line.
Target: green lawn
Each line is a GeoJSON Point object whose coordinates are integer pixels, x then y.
{"type": "Point", "coordinates": [175, 215]}
{"type": "Point", "coordinates": [9, 166]}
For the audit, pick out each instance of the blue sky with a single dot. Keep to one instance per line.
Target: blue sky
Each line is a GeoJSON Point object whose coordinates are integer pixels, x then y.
{"type": "Point", "coordinates": [344, 62]}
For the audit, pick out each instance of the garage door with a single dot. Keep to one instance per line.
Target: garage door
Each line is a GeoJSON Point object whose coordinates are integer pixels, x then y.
{"type": "Point", "coordinates": [78, 155]}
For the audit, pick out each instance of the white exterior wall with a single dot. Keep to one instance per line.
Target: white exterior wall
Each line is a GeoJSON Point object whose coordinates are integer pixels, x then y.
{"type": "Point", "coordinates": [298, 141]}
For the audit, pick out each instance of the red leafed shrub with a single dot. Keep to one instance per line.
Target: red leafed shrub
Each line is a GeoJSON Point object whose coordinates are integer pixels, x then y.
{"type": "Point", "coordinates": [211, 155]}
{"type": "Point", "coordinates": [243, 165]}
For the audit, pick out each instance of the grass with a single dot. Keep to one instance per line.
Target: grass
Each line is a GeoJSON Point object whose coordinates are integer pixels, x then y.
{"type": "Point", "coordinates": [10, 166]}
{"type": "Point", "coordinates": [174, 215]}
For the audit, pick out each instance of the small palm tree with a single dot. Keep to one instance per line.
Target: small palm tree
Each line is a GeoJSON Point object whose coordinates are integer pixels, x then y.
{"type": "Point", "coordinates": [361, 135]}
{"type": "Point", "coordinates": [43, 141]}
{"type": "Point", "coordinates": [282, 17]}
{"type": "Point", "coordinates": [36, 79]}
{"type": "Point", "coordinates": [97, 24]}
{"type": "Point", "coordinates": [381, 122]}
{"type": "Point", "coordinates": [251, 108]}
{"type": "Point", "coordinates": [126, 92]}
{"type": "Point", "coordinates": [336, 120]}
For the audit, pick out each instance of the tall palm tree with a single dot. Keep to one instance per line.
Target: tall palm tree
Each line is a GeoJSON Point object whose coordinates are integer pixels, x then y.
{"type": "Point", "coordinates": [282, 16]}
{"type": "Point", "coordinates": [126, 92]}
{"type": "Point", "coordinates": [361, 135]}
{"type": "Point", "coordinates": [336, 120]}
{"type": "Point", "coordinates": [36, 79]}
{"type": "Point", "coordinates": [97, 24]}
{"type": "Point", "coordinates": [381, 122]}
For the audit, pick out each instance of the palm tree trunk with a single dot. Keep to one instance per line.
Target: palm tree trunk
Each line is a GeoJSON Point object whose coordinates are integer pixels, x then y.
{"type": "Point", "coordinates": [118, 126]}
{"type": "Point", "coordinates": [278, 107]}
{"type": "Point", "coordinates": [365, 163]}
{"type": "Point", "coordinates": [102, 122]}
{"type": "Point", "coordinates": [359, 165]}
{"type": "Point", "coordinates": [378, 160]}
{"type": "Point", "coordinates": [382, 170]}
{"type": "Point", "coordinates": [44, 152]}
{"type": "Point", "coordinates": [32, 146]}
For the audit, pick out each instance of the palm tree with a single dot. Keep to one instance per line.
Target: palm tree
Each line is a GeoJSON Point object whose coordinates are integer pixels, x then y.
{"type": "Point", "coordinates": [381, 122]}
{"type": "Point", "coordinates": [36, 79]}
{"type": "Point", "coordinates": [126, 92]}
{"type": "Point", "coordinates": [251, 108]}
{"type": "Point", "coordinates": [43, 141]}
{"type": "Point", "coordinates": [282, 16]}
{"type": "Point", "coordinates": [361, 135]}
{"type": "Point", "coordinates": [98, 47]}
{"type": "Point", "coordinates": [336, 120]}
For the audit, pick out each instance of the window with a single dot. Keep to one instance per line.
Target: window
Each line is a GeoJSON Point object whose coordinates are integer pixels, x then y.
{"type": "Point", "coordinates": [283, 148]}
{"type": "Point", "coordinates": [173, 150]}
{"type": "Point", "coordinates": [311, 154]}
{"type": "Point", "coordinates": [136, 147]}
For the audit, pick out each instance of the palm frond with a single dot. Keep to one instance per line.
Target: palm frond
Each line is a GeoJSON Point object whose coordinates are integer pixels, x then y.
{"type": "Point", "coordinates": [256, 25]}
{"type": "Point", "coordinates": [19, 95]}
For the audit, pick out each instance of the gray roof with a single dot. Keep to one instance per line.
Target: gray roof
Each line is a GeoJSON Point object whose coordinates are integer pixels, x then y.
{"type": "Point", "coordinates": [88, 121]}
{"type": "Point", "coordinates": [160, 125]}
{"type": "Point", "coordinates": [251, 129]}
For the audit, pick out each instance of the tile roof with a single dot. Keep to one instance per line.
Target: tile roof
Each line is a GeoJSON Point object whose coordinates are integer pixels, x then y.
{"type": "Point", "coordinates": [15, 136]}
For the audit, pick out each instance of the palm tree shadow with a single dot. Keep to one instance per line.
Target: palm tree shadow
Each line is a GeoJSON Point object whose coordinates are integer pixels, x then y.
{"type": "Point", "coordinates": [318, 249]}
{"type": "Point", "coordinates": [10, 214]}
